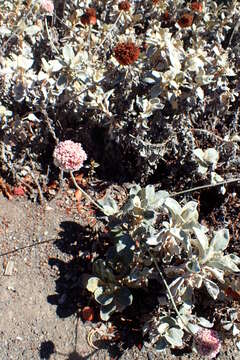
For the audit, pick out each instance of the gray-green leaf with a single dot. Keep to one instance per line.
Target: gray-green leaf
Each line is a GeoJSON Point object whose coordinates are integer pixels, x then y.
{"type": "Point", "coordinates": [92, 284]}
{"type": "Point", "coordinates": [109, 205]}
{"type": "Point", "coordinates": [107, 311]}
{"type": "Point", "coordinates": [123, 297]}
{"type": "Point", "coordinates": [220, 240]}
{"type": "Point", "coordinates": [174, 336]}
{"type": "Point", "coordinates": [68, 54]}
{"type": "Point", "coordinates": [212, 288]}
{"type": "Point", "coordinates": [101, 297]}
{"type": "Point", "coordinates": [161, 345]}
{"type": "Point", "coordinates": [201, 241]}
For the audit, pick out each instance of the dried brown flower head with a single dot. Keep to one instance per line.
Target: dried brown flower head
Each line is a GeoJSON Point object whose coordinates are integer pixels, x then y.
{"type": "Point", "coordinates": [124, 5]}
{"type": "Point", "coordinates": [196, 6]}
{"type": "Point", "coordinates": [168, 20]}
{"type": "Point", "coordinates": [166, 16]}
{"type": "Point", "coordinates": [186, 20]}
{"type": "Point", "coordinates": [89, 17]}
{"type": "Point", "coordinates": [126, 53]}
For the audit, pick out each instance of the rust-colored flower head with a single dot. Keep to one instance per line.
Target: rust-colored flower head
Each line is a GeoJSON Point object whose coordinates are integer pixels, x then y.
{"type": "Point", "coordinates": [87, 313]}
{"type": "Point", "coordinates": [196, 6]}
{"type": "Point", "coordinates": [89, 17]}
{"type": "Point", "coordinates": [186, 20]}
{"type": "Point", "coordinates": [126, 53]}
{"type": "Point", "coordinates": [167, 19]}
{"type": "Point", "coordinates": [124, 5]}
{"type": "Point", "coordinates": [155, 2]}
{"type": "Point", "coordinates": [166, 16]}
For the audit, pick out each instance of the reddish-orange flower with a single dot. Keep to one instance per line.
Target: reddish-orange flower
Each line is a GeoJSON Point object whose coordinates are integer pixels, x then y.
{"type": "Point", "coordinates": [89, 17]}
{"type": "Point", "coordinates": [166, 16]}
{"type": "Point", "coordinates": [196, 6]}
{"type": "Point", "coordinates": [186, 20]}
{"type": "Point", "coordinates": [167, 19]}
{"type": "Point", "coordinates": [87, 313]}
{"type": "Point", "coordinates": [124, 5]}
{"type": "Point", "coordinates": [155, 2]}
{"type": "Point", "coordinates": [126, 53]}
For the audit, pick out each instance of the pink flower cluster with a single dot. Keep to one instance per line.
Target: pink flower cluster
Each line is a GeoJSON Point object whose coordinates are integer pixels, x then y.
{"type": "Point", "coordinates": [47, 5]}
{"type": "Point", "coordinates": [207, 343]}
{"type": "Point", "coordinates": [69, 156]}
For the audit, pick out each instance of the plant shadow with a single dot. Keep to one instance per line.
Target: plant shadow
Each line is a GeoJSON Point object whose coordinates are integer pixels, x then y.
{"type": "Point", "coordinates": [74, 240]}
{"type": "Point", "coordinates": [71, 296]}
{"type": "Point", "coordinates": [47, 349]}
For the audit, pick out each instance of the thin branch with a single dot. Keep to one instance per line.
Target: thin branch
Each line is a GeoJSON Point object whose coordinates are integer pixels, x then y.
{"type": "Point", "coordinates": [85, 194]}
{"type": "Point", "coordinates": [49, 38]}
{"type": "Point", "coordinates": [26, 247]}
{"type": "Point", "coordinates": [35, 180]}
{"type": "Point", "coordinates": [62, 22]}
{"type": "Point", "coordinates": [234, 30]}
{"type": "Point", "coordinates": [167, 288]}
{"type": "Point", "coordinates": [18, 27]}
{"type": "Point", "coordinates": [210, 134]}
{"type": "Point", "coordinates": [89, 38]}
{"type": "Point", "coordinates": [41, 198]}
{"type": "Point", "coordinates": [51, 130]}
{"type": "Point", "coordinates": [109, 32]}
{"type": "Point", "coordinates": [205, 186]}
{"type": "Point", "coordinates": [147, 143]}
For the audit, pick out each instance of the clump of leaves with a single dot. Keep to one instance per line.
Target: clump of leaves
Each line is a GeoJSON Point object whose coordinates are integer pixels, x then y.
{"type": "Point", "coordinates": [205, 159]}
{"type": "Point", "coordinates": [152, 235]}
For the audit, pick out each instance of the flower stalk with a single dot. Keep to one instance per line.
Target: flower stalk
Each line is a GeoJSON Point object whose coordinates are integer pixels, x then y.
{"type": "Point", "coordinates": [168, 289]}
{"type": "Point", "coordinates": [85, 194]}
{"type": "Point", "coordinates": [109, 32]}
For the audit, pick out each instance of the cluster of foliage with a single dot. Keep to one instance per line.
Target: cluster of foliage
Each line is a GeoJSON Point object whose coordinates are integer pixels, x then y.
{"type": "Point", "coordinates": [156, 77]}
{"type": "Point", "coordinates": [152, 235]}
{"type": "Point", "coordinates": [146, 72]}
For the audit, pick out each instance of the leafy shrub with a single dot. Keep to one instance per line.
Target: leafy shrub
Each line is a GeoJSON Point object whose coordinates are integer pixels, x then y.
{"type": "Point", "coordinates": [59, 71]}
{"type": "Point", "coordinates": [152, 235]}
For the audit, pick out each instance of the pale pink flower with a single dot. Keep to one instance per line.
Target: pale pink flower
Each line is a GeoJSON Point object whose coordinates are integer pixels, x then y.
{"type": "Point", "coordinates": [47, 5]}
{"type": "Point", "coordinates": [69, 156]}
{"type": "Point", "coordinates": [207, 343]}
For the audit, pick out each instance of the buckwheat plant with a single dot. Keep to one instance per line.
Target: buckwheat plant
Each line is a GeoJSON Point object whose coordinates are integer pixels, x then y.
{"type": "Point", "coordinates": [154, 237]}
